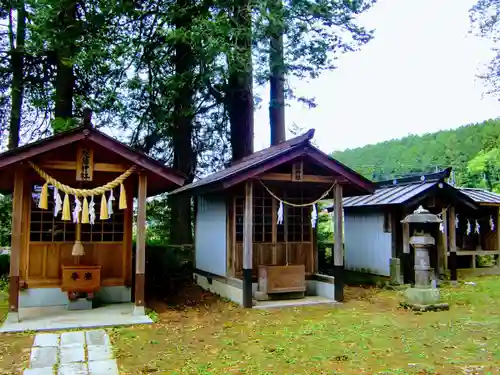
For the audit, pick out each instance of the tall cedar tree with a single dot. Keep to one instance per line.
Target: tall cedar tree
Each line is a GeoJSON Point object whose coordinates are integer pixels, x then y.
{"type": "Point", "coordinates": [184, 62]}
{"type": "Point", "coordinates": [277, 74]}
{"type": "Point", "coordinates": [17, 67]}
{"type": "Point", "coordinates": [239, 94]}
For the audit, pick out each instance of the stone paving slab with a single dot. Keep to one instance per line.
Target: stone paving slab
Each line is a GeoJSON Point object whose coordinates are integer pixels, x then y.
{"type": "Point", "coordinates": [99, 352]}
{"type": "Point", "coordinates": [73, 369]}
{"type": "Point", "coordinates": [39, 371]}
{"type": "Point", "coordinates": [97, 337]}
{"type": "Point", "coordinates": [108, 367]}
{"type": "Point", "coordinates": [43, 357]}
{"type": "Point", "coordinates": [73, 353]}
{"type": "Point", "coordinates": [75, 338]}
{"type": "Point", "coordinates": [47, 339]}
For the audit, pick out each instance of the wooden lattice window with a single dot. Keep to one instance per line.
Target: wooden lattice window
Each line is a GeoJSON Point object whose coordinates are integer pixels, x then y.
{"type": "Point", "coordinates": [298, 218]}
{"type": "Point", "coordinates": [45, 227]}
{"type": "Point", "coordinates": [262, 217]}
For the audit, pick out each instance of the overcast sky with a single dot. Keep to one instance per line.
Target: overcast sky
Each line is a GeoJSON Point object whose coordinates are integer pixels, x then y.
{"type": "Point", "coordinates": [417, 75]}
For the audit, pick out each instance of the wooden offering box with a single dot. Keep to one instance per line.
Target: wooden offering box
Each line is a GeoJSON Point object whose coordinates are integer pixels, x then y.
{"type": "Point", "coordinates": [282, 279]}
{"type": "Point", "coordinates": [81, 278]}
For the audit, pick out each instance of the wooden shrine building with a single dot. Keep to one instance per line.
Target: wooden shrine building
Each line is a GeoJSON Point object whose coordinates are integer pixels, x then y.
{"type": "Point", "coordinates": [255, 233]}
{"type": "Point", "coordinates": [477, 246]}
{"type": "Point", "coordinates": [375, 238]}
{"type": "Point", "coordinates": [67, 242]}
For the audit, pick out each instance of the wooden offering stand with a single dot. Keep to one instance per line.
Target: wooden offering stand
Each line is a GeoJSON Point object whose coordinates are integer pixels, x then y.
{"type": "Point", "coordinates": [80, 279]}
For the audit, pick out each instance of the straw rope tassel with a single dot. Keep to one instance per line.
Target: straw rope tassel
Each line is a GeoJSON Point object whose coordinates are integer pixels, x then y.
{"type": "Point", "coordinates": [83, 192]}
{"type": "Point", "coordinates": [66, 214]}
{"type": "Point", "coordinates": [43, 203]}
{"type": "Point", "coordinates": [104, 208]}
{"type": "Point", "coordinates": [123, 198]}
{"type": "Point", "coordinates": [85, 211]}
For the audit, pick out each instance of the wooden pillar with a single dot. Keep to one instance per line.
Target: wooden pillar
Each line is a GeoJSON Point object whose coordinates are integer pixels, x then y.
{"type": "Point", "coordinates": [452, 237]}
{"type": "Point", "coordinates": [140, 247]}
{"type": "Point", "coordinates": [444, 216]}
{"type": "Point", "coordinates": [247, 246]}
{"type": "Point", "coordinates": [16, 243]}
{"type": "Point", "coordinates": [338, 253]}
{"type": "Point", "coordinates": [406, 260]}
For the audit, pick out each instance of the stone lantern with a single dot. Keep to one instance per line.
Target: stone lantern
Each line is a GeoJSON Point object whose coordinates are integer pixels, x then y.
{"type": "Point", "coordinates": [423, 296]}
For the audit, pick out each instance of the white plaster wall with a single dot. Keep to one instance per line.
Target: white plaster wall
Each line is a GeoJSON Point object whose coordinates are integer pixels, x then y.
{"type": "Point", "coordinates": [210, 236]}
{"type": "Point", "coordinates": [367, 247]}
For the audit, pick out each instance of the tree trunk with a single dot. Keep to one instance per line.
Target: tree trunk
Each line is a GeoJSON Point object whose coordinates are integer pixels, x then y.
{"type": "Point", "coordinates": [65, 79]}
{"type": "Point", "coordinates": [184, 155]}
{"type": "Point", "coordinates": [277, 76]}
{"type": "Point", "coordinates": [17, 89]}
{"type": "Point", "coordinates": [239, 99]}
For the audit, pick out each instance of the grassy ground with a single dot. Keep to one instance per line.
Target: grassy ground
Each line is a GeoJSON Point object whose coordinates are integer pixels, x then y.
{"type": "Point", "coordinates": [14, 348]}
{"type": "Point", "coordinates": [369, 334]}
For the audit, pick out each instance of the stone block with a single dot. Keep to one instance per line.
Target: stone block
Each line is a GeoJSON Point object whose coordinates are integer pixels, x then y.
{"type": "Point", "coordinates": [70, 354]}
{"type": "Point", "coordinates": [75, 338]}
{"type": "Point", "coordinates": [43, 357]}
{"type": "Point", "coordinates": [46, 339]}
{"type": "Point", "coordinates": [395, 271]}
{"type": "Point", "coordinates": [108, 367]}
{"type": "Point", "coordinates": [80, 304]}
{"type": "Point", "coordinates": [261, 296]}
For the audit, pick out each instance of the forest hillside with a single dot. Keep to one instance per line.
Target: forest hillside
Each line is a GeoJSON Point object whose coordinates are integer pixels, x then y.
{"type": "Point", "coordinates": [472, 150]}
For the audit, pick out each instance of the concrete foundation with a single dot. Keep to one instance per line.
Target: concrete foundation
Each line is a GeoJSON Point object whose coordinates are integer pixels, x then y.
{"type": "Point", "coordinates": [232, 289]}
{"type": "Point", "coordinates": [44, 297]}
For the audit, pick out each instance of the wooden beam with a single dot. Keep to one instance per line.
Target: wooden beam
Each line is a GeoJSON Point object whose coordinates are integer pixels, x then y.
{"type": "Point", "coordinates": [247, 245]}
{"type": "Point", "coordinates": [140, 252]}
{"type": "Point", "coordinates": [305, 178]}
{"type": "Point", "coordinates": [71, 166]}
{"type": "Point", "coordinates": [452, 240]}
{"type": "Point", "coordinates": [338, 253]}
{"type": "Point", "coordinates": [16, 242]}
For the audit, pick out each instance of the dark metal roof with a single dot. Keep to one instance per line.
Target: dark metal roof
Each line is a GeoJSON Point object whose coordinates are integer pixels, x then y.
{"type": "Point", "coordinates": [416, 178]}
{"type": "Point", "coordinates": [270, 157]}
{"type": "Point", "coordinates": [396, 194]}
{"type": "Point", "coordinates": [481, 196]}
{"type": "Point", "coordinates": [403, 190]}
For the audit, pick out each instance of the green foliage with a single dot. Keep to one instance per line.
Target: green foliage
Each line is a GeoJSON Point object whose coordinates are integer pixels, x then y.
{"type": "Point", "coordinates": [471, 150]}
{"type": "Point", "coordinates": [4, 265]}
{"type": "Point", "coordinates": [4, 283]}
{"type": "Point", "coordinates": [324, 224]}
{"type": "Point", "coordinates": [5, 219]}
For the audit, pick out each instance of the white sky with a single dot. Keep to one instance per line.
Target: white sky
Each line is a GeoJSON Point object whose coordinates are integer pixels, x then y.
{"type": "Point", "coordinates": [418, 75]}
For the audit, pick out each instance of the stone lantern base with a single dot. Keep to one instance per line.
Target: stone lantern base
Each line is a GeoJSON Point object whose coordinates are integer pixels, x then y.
{"type": "Point", "coordinates": [423, 299]}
